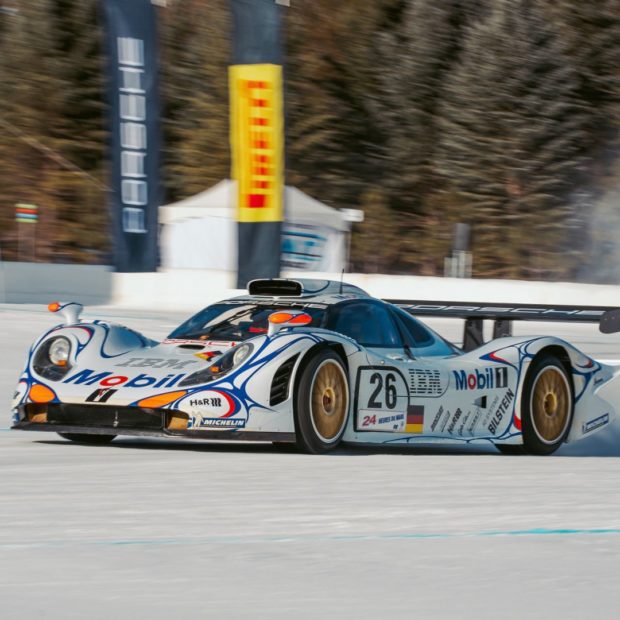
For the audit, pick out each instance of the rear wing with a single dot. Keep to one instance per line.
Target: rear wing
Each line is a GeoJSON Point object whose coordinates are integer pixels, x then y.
{"type": "Point", "coordinates": [608, 318]}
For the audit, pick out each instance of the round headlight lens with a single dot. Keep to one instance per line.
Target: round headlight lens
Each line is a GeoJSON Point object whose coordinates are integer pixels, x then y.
{"type": "Point", "coordinates": [59, 351]}
{"type": "Point", "coordinates": [241, 352]}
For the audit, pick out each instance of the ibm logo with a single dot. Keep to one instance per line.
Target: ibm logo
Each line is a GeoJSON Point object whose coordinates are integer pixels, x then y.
{"type": "Point", "coordinates": [425, 382]}
{"type": "Point", "coordinates": [132, 94]}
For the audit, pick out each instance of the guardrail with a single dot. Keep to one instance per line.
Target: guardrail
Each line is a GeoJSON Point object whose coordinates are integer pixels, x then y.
{"type": "Point", "coordinates": [45, 282]}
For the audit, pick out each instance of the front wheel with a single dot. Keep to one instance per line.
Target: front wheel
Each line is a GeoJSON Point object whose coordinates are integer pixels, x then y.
{"type": "Point", "coordinates": [547, 409]}
{"type": "Point", "coordinates": [322, 403]}
{"type": "Point", "coordinates": [87, 438]}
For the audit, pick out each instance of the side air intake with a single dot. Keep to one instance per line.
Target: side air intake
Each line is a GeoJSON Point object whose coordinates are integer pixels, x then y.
{"type": "Point", "coordinates": [281, 381]}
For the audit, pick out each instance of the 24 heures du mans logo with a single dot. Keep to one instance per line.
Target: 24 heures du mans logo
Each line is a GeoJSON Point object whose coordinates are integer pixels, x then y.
{"type": "Point", "coordinates": [483, 379]}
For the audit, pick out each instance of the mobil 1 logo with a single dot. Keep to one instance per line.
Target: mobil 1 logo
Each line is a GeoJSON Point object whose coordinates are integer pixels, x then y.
{"type": "Point", "coordinates": [382, 398]}
{"type": "Point", "coordinates": [481, 378]}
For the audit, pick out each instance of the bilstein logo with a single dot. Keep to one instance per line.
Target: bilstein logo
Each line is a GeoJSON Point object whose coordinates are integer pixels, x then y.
{"type": "Point", "coordinates": [501, 411]}
{"type": "Point", "coordinates": [485, 379]}
{"type": "Point", "coordinates": [109, 379]}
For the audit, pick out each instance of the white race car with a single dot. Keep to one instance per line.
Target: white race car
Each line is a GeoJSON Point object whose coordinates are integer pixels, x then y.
{"type": "Point", "coordinates": [318, 362]}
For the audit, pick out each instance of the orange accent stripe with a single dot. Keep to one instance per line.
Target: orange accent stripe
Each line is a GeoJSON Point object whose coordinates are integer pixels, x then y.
{"type": "Point", "coordinates": [160, 400]}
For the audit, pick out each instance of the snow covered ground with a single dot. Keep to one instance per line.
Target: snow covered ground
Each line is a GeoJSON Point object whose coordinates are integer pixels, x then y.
{"type": "Point", "coordinates": [148, 528]}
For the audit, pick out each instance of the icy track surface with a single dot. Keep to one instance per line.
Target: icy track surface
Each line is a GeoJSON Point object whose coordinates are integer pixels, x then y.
{"type": "Point", "coordinates": [179, 529]}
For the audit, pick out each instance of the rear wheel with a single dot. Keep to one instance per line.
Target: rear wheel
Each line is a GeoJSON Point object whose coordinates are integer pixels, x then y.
{"type": "Point", "coordinates": [547, 406]}
{"type": "Point", "coordinates": [87, 438]}
{"type": "Point", "coordinates": [322, 403]}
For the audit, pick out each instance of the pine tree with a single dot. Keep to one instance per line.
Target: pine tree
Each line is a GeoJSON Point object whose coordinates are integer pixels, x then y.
{"type": "Point", "coordinates": [413, 50]}
{"type": "Point", "coordinates": [79, 135]}
{"type": "Point", "coordinates": [591, 31]}
{"type": "Point", "coordinates": [416, 54]}
{"type": "Point", "coordinates": [513, 140]}
{"type": "Point", "coordinates": [331, 130]}
{"type": "Point", "coordinates": [195, 39]}
{"type": "Point", "coordinates": [53, 139]}
{"type": "Point", "coordinates": [30, 91]}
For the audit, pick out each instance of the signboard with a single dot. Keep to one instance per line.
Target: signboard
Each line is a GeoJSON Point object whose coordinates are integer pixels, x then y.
{"type": "Point", "coordinates": [257, 140]}
{"type": "Point", "coordinates": [26, 213]}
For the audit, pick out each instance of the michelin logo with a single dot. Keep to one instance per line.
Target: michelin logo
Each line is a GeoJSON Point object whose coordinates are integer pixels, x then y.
{"type": "Point", "coordinates": [218, 423]}
{"type": "Point", "coordinates": [587, 427]}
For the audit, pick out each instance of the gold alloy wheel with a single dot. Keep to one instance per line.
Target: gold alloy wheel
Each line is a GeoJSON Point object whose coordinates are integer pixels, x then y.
{"type": "Point", "coordinates": [550, 404]}
{"type": "Point", "coordinates": [329, 400]}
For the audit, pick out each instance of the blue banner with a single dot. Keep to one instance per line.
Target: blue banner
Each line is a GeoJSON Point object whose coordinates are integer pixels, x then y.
{"type": "Point", "coordinates": [133, 92]}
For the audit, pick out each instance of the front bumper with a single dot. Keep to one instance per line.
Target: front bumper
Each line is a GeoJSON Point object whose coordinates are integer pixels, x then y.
{"type": "Point", "coordinates": [136, 421]}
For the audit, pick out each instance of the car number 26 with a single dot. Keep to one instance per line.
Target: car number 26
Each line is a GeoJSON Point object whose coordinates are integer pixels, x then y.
{"type": "Point", "coordinates": [382, 399]}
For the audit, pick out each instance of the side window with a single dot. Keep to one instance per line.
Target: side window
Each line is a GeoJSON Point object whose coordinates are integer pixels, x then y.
{"type": "Point", "coordinates": [369, 324]}
{"type": "Point", "coordinates": [423, 341]}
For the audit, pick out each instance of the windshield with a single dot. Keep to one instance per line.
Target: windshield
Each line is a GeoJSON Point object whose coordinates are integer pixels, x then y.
{"type": "Point", "coordinates": [237, 321]}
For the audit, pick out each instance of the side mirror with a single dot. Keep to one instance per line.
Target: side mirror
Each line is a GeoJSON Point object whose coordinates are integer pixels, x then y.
{"type": "Point", "coordinates": [70, 311]}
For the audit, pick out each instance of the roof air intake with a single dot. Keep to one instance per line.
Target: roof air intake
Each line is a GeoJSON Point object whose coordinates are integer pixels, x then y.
{"type": "Point", "coordinates": [275, 288]}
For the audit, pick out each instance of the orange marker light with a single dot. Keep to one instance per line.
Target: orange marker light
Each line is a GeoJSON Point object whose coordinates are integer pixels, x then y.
{"type": "Point", "coordinates": [54, 307]}
{"type": "Point", "coordinates": [301, 319]}
{"type": "Point", "coordinates": [280, 317]}
{"type": "Point", "coordinates": [41, 394]}
{"type": "Point", "coordinates": [293, 319]}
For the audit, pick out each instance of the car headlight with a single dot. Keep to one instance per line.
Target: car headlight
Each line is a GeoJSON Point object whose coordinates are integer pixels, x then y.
{"type": "Point", "coordinates": [240, 354]}
{"type": "Point", "coordinates": [59, 351]}
{"type": "Point", "coordinates": [52, 358]}
{"type": "Point", "coordinates": [220, 366]}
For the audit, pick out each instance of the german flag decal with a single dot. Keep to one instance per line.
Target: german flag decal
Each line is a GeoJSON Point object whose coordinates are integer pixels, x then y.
{"type": "Point", "coordinates": [415, 419]}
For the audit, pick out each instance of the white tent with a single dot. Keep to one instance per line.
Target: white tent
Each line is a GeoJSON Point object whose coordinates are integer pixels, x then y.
{"type": "Point", "coordinates": [200, 232]}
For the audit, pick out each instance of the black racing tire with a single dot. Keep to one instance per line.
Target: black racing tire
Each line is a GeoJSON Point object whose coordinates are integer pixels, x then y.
{"type": "Point", "coordinates": [547, 406]}
{"type": "Point", "coordinates": [88, 438]}
{"type": "Point", "coordinates": [321, 403]}
{"type": "Point", "coordinates": [511, 449]}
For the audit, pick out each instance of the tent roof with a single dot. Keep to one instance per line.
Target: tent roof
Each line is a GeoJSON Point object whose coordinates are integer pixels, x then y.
{"type": "Point", "coordinates": [220, 200]}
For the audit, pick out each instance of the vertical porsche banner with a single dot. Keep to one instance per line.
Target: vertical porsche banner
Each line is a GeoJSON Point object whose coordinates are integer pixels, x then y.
{"type": "Point", "coordinates": [132, 82]}
{"type": "Point", "coordinates": [257, 136]}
